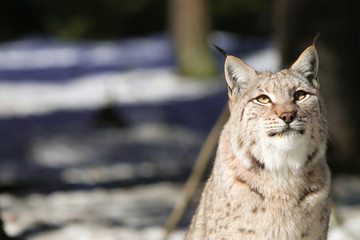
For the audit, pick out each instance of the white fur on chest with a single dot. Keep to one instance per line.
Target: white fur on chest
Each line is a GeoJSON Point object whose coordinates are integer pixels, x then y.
{"type": "Point", "coordinates": [282, 154]}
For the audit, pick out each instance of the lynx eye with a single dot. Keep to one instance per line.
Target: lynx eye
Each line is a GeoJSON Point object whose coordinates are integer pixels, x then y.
{"type": "Point", "coordinates": [299, 95]}
{"type": "Point", "coordinates": [263, 99]}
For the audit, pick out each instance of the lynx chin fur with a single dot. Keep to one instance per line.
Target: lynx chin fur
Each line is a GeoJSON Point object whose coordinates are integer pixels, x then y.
{"type": "Point", "coordinates": [270, 178]}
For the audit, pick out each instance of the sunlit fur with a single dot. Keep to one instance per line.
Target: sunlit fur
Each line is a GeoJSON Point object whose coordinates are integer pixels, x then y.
{"type": "Point", "coordinates": [252, 123]}
{"type": "Point", "coordinates": [270, 179]}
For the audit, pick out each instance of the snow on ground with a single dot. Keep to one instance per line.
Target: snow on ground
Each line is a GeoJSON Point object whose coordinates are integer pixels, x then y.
{"type": "Point", "coordinates": [137, 213]}
{"type": "Point", "coordinates": [42, 53]}
{"type": "Point", "coordinates": [96, 90]}
{"type": "Point", "coordinates": [38, 76]}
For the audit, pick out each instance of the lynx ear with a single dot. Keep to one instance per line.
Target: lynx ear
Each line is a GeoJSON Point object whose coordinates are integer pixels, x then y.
{"type": "Point", "coordinates": [237, 74]}
{"type": "Point", "coordinates": [307, 65]}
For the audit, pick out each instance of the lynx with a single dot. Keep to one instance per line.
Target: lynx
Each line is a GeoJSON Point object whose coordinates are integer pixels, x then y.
{"type": "Point", "coordinates": [270, 178]}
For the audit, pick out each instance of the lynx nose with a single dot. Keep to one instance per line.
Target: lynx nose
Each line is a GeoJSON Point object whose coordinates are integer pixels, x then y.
{"type": "Point", "coordinates": [288, 117]}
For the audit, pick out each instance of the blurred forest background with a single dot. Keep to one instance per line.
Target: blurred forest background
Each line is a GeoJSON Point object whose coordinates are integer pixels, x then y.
{"type": "Point", "coordinates": [188, 27]}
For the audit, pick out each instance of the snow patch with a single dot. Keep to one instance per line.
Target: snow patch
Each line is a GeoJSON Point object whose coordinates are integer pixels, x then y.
{"type": "Point", "coordinates": [93, 91]}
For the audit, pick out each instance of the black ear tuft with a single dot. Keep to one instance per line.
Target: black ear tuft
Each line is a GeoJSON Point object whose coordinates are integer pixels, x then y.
{"type": "Point", "coordinates": [316, 38]}
{"type": "Point", "coordinates": [223, 52]}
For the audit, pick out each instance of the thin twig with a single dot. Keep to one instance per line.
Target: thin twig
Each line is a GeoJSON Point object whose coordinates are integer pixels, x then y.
{"type": "Point", "coordinates": [192, 182]}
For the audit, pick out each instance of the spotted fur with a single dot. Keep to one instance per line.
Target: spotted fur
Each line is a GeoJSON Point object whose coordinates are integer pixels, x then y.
{"type": "Point", "coordinates": [270, 179]}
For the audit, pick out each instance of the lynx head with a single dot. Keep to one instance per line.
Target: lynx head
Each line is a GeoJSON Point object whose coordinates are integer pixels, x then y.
{"type": "Point", "coordinates": [277, 119]}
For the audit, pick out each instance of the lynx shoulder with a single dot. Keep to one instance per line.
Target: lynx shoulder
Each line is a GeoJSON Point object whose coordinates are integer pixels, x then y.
{"type": "Point", "coordinates": [270, 179]}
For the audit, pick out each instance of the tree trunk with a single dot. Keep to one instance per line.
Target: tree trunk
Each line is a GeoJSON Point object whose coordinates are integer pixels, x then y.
{"type": "Point", "coordinates": [189, 24]}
